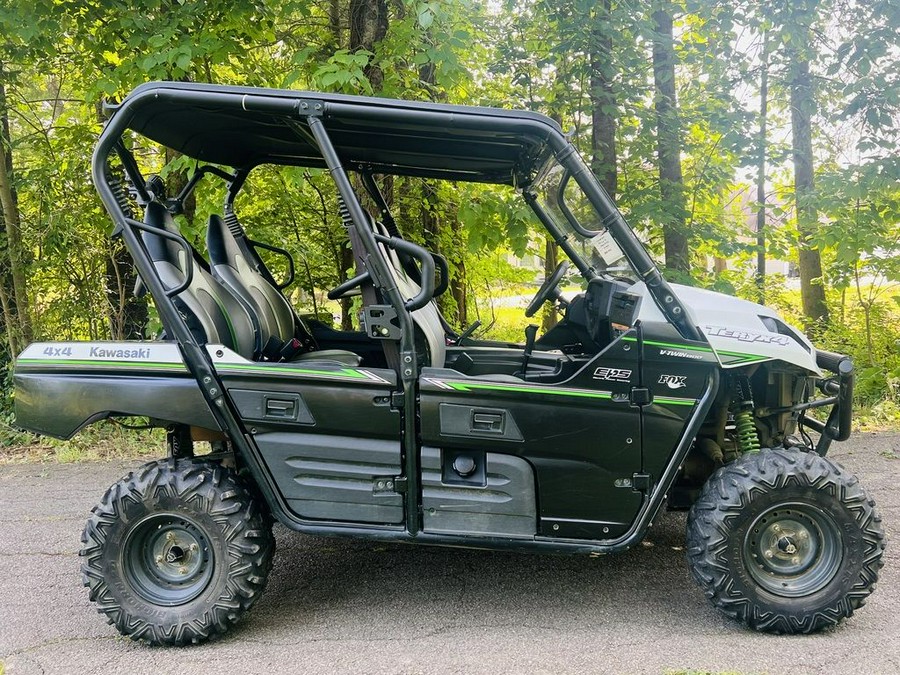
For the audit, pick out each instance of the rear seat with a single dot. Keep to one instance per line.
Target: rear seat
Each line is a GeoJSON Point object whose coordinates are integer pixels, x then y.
{"type": "Point", "coordinates": [212, 313]}
{"type": "Point", "coordinates": [427, 319]}
{"type": "Point", "coordinates": [236, 265]}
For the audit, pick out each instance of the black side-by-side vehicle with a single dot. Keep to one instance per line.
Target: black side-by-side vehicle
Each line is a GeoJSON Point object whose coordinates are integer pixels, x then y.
{"type": "Point", "coordinates": [645, 394]}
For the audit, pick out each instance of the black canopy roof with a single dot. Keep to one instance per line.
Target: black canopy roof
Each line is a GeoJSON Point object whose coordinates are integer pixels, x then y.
{"type": "Point", "coordinates": [243, 126]}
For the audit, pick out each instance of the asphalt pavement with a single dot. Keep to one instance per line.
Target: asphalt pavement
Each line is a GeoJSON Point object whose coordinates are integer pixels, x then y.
{"type": "Point", "coordinates": [335, 606]}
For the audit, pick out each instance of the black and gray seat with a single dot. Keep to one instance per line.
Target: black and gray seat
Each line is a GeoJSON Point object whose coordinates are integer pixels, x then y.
{"type": "Point", "coordinates": [212, 313]}
{"type": "Point", "coordinates": [427, 319]}
{"type": "Point", "coordinates": [237, 265]}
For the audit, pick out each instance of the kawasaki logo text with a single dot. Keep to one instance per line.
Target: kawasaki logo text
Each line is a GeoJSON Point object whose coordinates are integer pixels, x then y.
{"type": "Point", "coordinates": [97, 352]}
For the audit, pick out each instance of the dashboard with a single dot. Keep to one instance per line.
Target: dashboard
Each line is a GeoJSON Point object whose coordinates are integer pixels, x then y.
{"type": "Point", "coordinates": [611, 308]}
{"type": "Point", "coordinates": [594, 318]}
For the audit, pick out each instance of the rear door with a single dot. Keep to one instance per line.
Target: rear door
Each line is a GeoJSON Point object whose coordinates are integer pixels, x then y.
{"type": "Point", "coordinates": [327, 433]}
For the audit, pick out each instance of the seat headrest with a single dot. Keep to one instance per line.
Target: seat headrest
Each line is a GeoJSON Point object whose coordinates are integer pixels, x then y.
{"type": "Point", "coordinates": [161, 249]}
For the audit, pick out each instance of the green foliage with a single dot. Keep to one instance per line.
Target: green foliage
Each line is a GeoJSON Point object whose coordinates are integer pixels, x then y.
{"type": "Point", "coordinates": [60, 60]}
{"type": "Point", "coordinates": [499, 292]}
{"type": "Point", "coordinates": [9, 436]}
{"type": "Point", "coordinates": [494, 218]}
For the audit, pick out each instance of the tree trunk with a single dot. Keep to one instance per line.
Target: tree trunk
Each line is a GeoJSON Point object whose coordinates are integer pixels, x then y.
{"type": "Point", "coordinates": [668, 142]}
{"type": "Point", "coordinates": [761, 175]}
{"type": "Point", "coordinates": [7, 316]}
{"type": "Point", "coordinates": [128, 315]}
{"type": "Point", "coordinates": [334, 21]}
{"type": "Point", "coordinates": [458, 281]}
{"type": "Point", "coordinates": [603, 100]}
{"type": "Point", "coordinates": [345, 265]}
{"type": "Point", "coordinates": [812, 290]}
{"type": "Point", "coordinates": [15, 262]}
{"type": "Point", "coordinates": [368, 26]}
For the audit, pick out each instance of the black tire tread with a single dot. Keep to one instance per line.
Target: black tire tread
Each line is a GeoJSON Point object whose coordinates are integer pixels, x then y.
{"type": "Point", "coordinates": [728, 492]}
{"type": "Point", "coordinates": [244, 524]}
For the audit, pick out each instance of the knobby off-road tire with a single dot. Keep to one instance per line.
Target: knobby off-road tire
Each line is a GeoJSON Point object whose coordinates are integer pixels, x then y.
{"type": "Point", "coordinates": [176, 552]}
{"type": "Point", "coordinates": [785, 541]}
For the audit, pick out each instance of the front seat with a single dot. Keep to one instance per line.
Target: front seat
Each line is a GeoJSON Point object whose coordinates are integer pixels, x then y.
{"type": "Point", "coordinates": [427, 319]}
{"type": "Point", "coordinates": [236, 265]}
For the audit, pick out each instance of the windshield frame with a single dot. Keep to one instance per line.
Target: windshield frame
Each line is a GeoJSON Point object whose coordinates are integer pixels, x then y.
{"type": "Point", "coordinates": [555, 210]}
{"type": "Point", "coordinates": [611, 219]}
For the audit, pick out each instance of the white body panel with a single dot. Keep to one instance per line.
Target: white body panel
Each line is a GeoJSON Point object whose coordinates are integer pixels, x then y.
{"type": "Point", "coordinates": [733, 326]}
{"type": "Point", "coordinates": [105, 352]}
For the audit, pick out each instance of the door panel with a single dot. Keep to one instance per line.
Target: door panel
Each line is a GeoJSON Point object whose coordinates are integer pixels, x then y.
{"type": "Point", "coordinates": [676, 372]}
{"type": "Point", "coordinates": [335, 477]}
{"type": "Point", "coordinates": [327, 433]}
{"type": "Point", "coordinates": [495, 497]}
{"type": "Point", "coordinates": [581, 436]}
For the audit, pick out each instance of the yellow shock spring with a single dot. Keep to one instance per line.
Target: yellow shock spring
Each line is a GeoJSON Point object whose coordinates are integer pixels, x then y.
{"type": "Point", "coordinates": [748, 441]}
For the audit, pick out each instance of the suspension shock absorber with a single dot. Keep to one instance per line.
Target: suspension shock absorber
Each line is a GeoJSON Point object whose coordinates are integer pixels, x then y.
{"type": "Point", "coordinates": [120, 192]}
{"type": "Point", "coordinates": [344, 213]}
{"type": "Point", "coordinates": [742, 409]}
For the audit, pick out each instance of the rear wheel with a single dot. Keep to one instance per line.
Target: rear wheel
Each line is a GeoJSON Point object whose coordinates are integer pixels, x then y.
{"type": "Point", "coordinates": [176, 552]}
{"type": "Point", "coordinates": [785, 541]}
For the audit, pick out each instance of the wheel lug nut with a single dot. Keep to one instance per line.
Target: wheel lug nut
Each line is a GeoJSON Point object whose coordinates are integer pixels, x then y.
{"type": "Point", "coordinates": [769, 553]}
{"type": "Point", "coordinates": [170, 536]}
{"type": "Point", "coordinates": [776, 528]}
{"type": "Point", "coordinates": [159, 558]}
{"type": "Point", "coordinates": [802, 534]}
{"type": "Point", "coordinates": [194, 547]}
{"type": "Point", "coordinates": [182, 570]}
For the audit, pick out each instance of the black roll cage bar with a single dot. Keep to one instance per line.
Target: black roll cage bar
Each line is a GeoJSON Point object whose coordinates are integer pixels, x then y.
{"type": "Point", "coordinates": [200, 366]}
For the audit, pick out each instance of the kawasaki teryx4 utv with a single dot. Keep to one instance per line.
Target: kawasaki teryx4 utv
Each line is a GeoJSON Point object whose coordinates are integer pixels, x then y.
{"type": "Point", "coordinates": [645, 393]}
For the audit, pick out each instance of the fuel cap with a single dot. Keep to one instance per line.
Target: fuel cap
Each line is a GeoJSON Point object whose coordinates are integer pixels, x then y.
{"type": "Point", "coordinates": [464, 465]}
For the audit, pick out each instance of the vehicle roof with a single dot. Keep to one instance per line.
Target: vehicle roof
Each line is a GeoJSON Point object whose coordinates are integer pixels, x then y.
{"type": "Point", "coordinates": [245, 126]}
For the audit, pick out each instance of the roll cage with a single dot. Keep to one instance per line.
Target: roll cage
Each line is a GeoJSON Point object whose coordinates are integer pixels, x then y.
{"type": "Point", "coordinates": [243, 128]}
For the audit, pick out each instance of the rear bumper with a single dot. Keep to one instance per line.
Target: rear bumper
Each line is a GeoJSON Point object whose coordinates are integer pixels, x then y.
{"type": "Point", "coordinates": [839, 390]}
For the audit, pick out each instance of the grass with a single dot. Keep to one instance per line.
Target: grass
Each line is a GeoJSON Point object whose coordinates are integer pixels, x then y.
{"type": "Point", "coordinates": [105, 441]}
{"type": "Point", "coordinates": [881, 416]}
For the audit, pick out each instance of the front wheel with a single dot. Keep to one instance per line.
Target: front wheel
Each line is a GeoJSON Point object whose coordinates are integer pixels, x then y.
{"type": "Point", "coordinates": [176, 552]}
{"type": "Point", "coordinates": [785, 541]}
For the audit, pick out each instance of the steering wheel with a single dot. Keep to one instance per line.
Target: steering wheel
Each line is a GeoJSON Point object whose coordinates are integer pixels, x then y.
{"type": "Point", "coordinates": [548, 289]}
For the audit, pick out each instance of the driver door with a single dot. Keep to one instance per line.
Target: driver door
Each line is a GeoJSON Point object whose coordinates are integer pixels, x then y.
{"type": "Point", "coordinates": [509, 457]}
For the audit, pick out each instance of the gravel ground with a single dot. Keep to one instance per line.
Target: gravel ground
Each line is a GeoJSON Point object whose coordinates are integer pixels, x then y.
{"type": "Point", "coordinates": [344, 606]}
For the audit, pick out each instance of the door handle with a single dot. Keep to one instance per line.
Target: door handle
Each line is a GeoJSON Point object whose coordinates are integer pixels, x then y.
{"type": "Point", "coordinates": [487, 422]}
{"type": "Point", "coordinates": [280, 408]}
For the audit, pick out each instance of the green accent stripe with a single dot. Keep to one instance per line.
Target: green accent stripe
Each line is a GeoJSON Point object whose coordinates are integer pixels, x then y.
{"type": "Point", "coordinates": [102, 364]}
{"type": "Point", "coordinates": [742, 357]}
{"type": "Point", "coordinates": [666, 400]}
{"type": "Point", "coordinates": [670, 345]}
{"type": "Point", "coordinates": [579, 393]}
{"type": "Point", "coordinates": [279, 369]}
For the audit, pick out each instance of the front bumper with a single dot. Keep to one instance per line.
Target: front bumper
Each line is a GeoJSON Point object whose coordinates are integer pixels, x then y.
{"type": "Point", "coordinates": [839, 390]}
